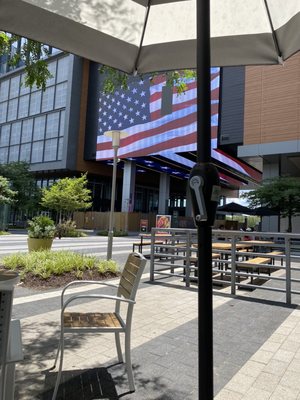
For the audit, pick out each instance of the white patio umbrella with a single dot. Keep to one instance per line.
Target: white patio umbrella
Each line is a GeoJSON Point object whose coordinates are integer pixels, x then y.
{"type": "Point", "coordinates": [158, 35]}
{"type": "Point", "coordinates": [146, 36]}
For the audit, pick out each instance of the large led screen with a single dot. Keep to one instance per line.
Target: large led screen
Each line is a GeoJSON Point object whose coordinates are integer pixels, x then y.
{"type": "Point", "coordinates": [140, 113]}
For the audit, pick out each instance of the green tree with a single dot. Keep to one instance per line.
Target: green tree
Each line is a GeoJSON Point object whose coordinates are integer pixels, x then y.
{"type": "Point", "coordinates": [23, 183]}
{"type": "Point", "coordinates": [6, 193]}
{"type": "Point", "coordinates": [66, 196]}
{"type": "Point", "coordinates": [281, 193]}
{"type": "Point", "coordinates": [31, 54]}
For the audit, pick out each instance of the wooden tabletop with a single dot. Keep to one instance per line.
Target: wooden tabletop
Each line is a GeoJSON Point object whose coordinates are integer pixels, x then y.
{"type": "Point", "coordinates": [227, 245]}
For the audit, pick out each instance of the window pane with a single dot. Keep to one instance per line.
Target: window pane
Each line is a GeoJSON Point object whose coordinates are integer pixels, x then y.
{"type": "Point", "coordinates": [4, 90]}
{"type": "Point", "coordinates": [13, 153]}
{"type": "Point", "coordinates": [52, 70]}
{"type": "Point", "coordinates": [50, 150]}
{"type": "Point", "coordinates": [23, 106]}
{"type": "Point", "coordinates": [60, 148]}
{"type": "Point", "coordinates": [15, 137]}
{"type": "Point", "coordinates": [3, 155]}
{"type": "Point", "coordinates": [52, 125]}
{"type": "Point", "coordinates": [25, 152]}
{"type": "Point", "coordinates": [35, 103]}
{"type": "Point", "coordinates": [4, 138]}
{"type": "Point", "coordinates": [62, 69]}
{"type": "Point", "coordinates": [12, 110]}
{"type": "Point", "coordinates": [27, 130]}
{"type": "Point", "coordinates": [37, 152]}
{"type": "Point", "coordinates": [39, 128]}
{"type": "Point", "coordinates": [48, 99]}
{"type": "Point", "coordinates": [14, 87]}
{"type": "Point", "coordinates": [62, 123]}
{"type": "Point", "coordinates": [61, 95]}
{"type": "Point", "coordinates": [24, 89]}
{"type": "Point", "coordinates": [3, 111]}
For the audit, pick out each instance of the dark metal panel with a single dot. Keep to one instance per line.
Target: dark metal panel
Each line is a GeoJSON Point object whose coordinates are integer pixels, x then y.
{"type": "Point", "coordinates": [232, 106]}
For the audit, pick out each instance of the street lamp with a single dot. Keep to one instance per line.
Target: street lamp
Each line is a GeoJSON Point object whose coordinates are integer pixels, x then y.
{"type": "Point", "coordinates": [116, 136]}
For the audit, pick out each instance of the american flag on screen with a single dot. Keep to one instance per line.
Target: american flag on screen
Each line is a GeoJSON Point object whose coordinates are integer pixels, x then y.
{"type": "Point", "coordinates": [137, 112]}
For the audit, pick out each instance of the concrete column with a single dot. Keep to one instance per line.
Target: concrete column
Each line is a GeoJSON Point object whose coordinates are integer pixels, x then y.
{"type": "Point", "coordinates": [128, 186]}
{"type": "Point", "coordinates": [164, 193]}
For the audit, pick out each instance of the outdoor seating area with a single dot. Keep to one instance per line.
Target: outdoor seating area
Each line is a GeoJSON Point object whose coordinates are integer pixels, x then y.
{"type": "Point", "coordinates": [261, 262]}
{"type": "Point", "coordinates": [164, 354]}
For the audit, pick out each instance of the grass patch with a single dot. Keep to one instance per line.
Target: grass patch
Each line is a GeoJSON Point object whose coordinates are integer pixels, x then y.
{"type": "Point", "coordinates": [4, 233]}
{"type": "Point", "coordinates": [45, 264]}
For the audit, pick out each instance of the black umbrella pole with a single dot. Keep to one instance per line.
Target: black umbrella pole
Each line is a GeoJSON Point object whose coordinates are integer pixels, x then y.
{"type": "Point", "coordinates": [205, 321]}
{"type": "Point", "coordinates": [205, 308]}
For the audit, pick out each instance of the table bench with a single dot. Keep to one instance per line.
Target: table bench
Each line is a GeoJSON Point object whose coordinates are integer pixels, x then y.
{"type": "Point", "coordinates": [141, 244]}
{"type": "Point", "coordinates": [257, 261]}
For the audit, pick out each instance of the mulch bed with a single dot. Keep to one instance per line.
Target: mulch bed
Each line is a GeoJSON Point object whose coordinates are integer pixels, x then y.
{"type": "Point", "coordinates": [58, 281]}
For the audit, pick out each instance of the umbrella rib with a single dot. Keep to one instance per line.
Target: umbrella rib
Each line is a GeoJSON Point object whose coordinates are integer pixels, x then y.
{"type": "Point", "coordinates": [142, 37]}
{"type": "Point", "coordinates": [276, 44]}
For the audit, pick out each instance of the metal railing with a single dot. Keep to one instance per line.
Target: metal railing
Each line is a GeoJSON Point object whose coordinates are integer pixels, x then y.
{"type": "Point", "coordinates": [267, 261]}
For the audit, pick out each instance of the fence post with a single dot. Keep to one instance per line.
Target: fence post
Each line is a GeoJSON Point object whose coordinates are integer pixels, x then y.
{"type": "Point", "coordinates": [152, 255]}
{"type": "Point", "coordinates": [233, 267]}
{"type": "Point", "coordinates": [288, 269]}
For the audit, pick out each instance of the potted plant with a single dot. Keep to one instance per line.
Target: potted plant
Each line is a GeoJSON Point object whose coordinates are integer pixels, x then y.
{"type": "Point", "coordinates": [41, 231]}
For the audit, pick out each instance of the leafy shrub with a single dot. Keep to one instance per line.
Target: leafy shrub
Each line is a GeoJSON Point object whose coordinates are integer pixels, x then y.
{"type": "Point", "coordinates": [41, 227]}
{"type": "Point", "coordinates": [46, 263]}
{"type": "Point", "coordinates": [68, 229]}
{"type": "Point", "coordinates": [116, 233]}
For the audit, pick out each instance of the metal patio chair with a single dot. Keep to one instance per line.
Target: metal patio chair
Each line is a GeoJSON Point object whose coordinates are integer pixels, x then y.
{"type": "Point", "coordinates": [95, 322]}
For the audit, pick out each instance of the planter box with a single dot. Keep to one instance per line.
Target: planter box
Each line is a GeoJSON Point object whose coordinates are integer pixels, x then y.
{"type": "Point", "coordinates": [39, 244]}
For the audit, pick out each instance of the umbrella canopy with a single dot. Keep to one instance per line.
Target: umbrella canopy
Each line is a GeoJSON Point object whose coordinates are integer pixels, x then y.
{"type": "Point", "coordinates": [235, 208]}
{"type": "Point", "coordinates": [158, 35]}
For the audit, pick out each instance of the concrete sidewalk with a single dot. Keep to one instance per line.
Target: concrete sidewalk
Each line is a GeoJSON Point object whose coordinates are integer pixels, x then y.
{"type": "Point", "coordinates": [256, 348]}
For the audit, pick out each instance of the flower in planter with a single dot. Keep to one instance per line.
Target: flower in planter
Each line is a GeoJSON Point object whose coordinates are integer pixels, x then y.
{"type": "Point", "coordinates": [41, 227]}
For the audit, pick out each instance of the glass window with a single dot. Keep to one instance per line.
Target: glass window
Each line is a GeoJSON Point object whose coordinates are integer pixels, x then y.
{"type": "Point", "coordinates": [62, 123]}
{"type": "Point", "coordinates": [37, 151]}
{"type": "Point", "coordinates": [12, 110]}
{"type": "Point", "coordinates": [4, 87]}
{"type": "Point", "coordinates": [48, 99]}
{"type": "Point", "coordinates": [25, 152]}
{"type": "Point", "coordinates": [39, 128]}
{"type": "Point", "coordinates": [23, 106]}
{"type": "Point", "coordinates": [52, 125]}
{"type": "Point", "coordinates": [35, 103]}
{"type": "Point", "coordinates": [3, 155]}
{"type": "Point", "coordinates": [14, 87]}
{"type": "Point", "coordinates": [4, 137]}
{"type": "Point", "coordinates": [3, 111]}
{"type": "Point", "coordinates": [50, 150]}
{"type": "Point", "coordinates": [27, 130]}
{"type": "Point", "coordinates": [60, 149]}
{"type": "Point", "coordinates": [62, 69]}
{"type": "Point", "coordinates": [52, 70]}
{"type": "Point", "coordinates": [15, 136]}
{"type": "Point", "coordinates": [61, 95]}
{"type": "Point", "coordinates": [24, 89]}
{"type": "Point", "coordinates": [13, 153]}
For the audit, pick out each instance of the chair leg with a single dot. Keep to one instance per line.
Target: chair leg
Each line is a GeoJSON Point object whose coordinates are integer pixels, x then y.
{"type": "Point", "coordinates": [118, 346]}
{"type": "Point", "coordinates": [56, 357]}
{"type": "Point", "coordinates": [61, 350]}
{"type": "Point", "coordinates": [128, 361]}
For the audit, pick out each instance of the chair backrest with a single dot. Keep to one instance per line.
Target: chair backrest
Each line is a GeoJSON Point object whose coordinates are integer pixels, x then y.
{"type": "Point", "coordinates": [131, 275]}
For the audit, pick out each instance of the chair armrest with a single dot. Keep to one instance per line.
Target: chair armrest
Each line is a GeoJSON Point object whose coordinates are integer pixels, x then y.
{"type": "Point", "coordinates": [95, 296]}
{"type": "Point", "coordinates": [86, 282]}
